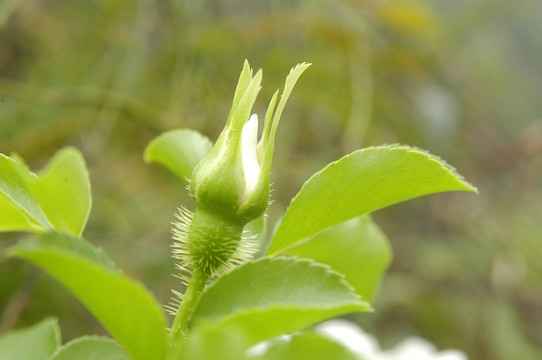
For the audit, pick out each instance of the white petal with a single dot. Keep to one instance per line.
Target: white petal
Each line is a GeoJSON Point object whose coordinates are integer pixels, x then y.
{"type": "Point", "coordinates": [350, 336]}
{"type": "Point", "coordinates": [411, 348]}
{"type": "Point", "coordinates": [420, 349]}
{"type": "Point", "coordinates": [249, 153]}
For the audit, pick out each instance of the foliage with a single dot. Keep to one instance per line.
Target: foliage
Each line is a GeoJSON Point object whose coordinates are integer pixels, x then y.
{"type": "Point", "coordinates": [228, 291]}
{"type": "Point", "coordinates": [37, 342]}
{"type": "Point", "coordinates": [460, 79]}
{"type": "Point", "coordinates": [30, 202]}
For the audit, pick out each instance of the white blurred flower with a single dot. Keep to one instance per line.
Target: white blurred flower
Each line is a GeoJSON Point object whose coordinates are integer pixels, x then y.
{"type": "Point", "coordinates": [367, 348]}
{"type": "Point", "coordinates": [352, 337]}
{"type": "Point", "coordinates": [420, 349]}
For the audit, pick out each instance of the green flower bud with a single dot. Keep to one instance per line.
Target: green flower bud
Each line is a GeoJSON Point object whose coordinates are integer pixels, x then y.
{"type": "Point", "coordinates": [233, 179]}
{"type": "Point", "coordinates": [230, 186]}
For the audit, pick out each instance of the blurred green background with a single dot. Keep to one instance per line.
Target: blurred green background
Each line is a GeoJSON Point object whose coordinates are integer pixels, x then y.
{"type": "Point", "coordinates": [460, 78]}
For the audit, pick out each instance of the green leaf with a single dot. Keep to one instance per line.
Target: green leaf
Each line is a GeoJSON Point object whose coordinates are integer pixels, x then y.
{"type": "Point", "coordinates": [90, 348]}
{"type": "Point", "coordinates": [15, 182]}
{"type": "Point", "coordinates": [179, 151]}
{"type": "Point", "coordinates": [59, 198]}
{"type": "Point", "coordinates": [307, 345]}
{"type": "Point", "coordinates": [359, 183]}
{"type": "Point", "coordinates": [37, 342]}
{"type": "Point", "coordinates": [356, 248]}
{"type": "Point", "coordinates": [273, 296]}
{"type": "Point", "coordinates": [123, 306]}
{"type": "Point", "coordinates": [69, 244]}
{"type": "Point", "coordinates": [212, 343]}
{"type": "Point", "coordinates": [13, 218]}
{"type": "Point", "coordinates": [63, 191]}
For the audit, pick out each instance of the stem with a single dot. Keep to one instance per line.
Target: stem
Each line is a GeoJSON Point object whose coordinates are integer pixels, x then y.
{"type": "Point", "coordinates": [179, 329]}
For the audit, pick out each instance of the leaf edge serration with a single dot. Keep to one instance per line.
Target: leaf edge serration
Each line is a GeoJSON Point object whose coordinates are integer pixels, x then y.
{"type": "Point", "coordinates": [390, 147]}
{"type": "Point", "coordinates": [356, 300]}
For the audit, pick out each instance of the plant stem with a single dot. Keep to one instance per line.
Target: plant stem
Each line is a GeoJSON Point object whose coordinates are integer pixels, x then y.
{"type": "Point", "coordinates": [179, 329]}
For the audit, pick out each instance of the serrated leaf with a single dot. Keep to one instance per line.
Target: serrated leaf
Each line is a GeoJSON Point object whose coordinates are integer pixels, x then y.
{"type": "Point", "coordinates": [359, 183]}
{"type": "Point", "coordinates": [179, 151]}
{"type": "Point", "coordinates": [357, 248]}
{"type": "Point", "coordinates": [90, 348]}
{"type": "Point", "coordinates": [272, 296]}
{"type": "Point", "coordinates": [59, 198]}
{"type": "Point", "coordinates": [123, 306]}
{"type": "Point", "coordinates": [37, 342]}
{"type": "Point", "coordinates": [307, 345]}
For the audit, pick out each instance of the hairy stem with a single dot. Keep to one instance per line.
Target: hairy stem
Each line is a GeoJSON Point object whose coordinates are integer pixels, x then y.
{"type": "Point", "coordinates": [179, 329]}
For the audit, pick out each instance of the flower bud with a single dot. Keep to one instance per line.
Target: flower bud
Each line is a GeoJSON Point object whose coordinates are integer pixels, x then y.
{"type": "Point", "coordinates": [233, 179]}
{"type": "Point", "coordinates": [230, 186]}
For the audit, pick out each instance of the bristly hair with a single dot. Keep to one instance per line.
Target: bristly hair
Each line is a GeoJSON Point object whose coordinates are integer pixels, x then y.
{"type": "Point", "coordinates": [246, 249]}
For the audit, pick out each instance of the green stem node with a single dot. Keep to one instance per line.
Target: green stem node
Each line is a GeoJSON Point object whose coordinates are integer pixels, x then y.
{"type": "Point", "coordinates": [212, 241]}
{"type": "Point", "coordinates": [209, 245]}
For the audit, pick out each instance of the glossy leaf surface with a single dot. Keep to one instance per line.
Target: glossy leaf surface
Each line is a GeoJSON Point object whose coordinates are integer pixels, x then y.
{"type": "Point", "coordinates": [272, 296]}
{"type": "Point", "coordinates": [179, 151]}
{"type": "Point", "coordinates": [359, 183]}
{"type": "Point", "coordinates": [122, 305]}
{"type": "Point", "coordinates": [357, 248]}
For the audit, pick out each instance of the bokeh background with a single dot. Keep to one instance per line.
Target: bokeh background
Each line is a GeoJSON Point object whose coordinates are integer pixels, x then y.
{"type": "Point", "coordinates": [460, 78]}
